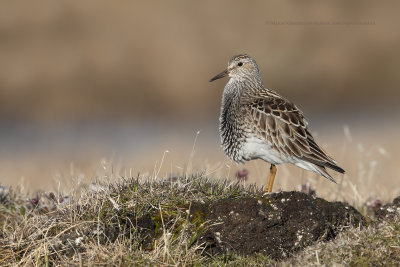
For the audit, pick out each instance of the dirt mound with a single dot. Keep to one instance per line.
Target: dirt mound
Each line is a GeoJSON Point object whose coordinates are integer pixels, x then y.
{"type": "Point", "coordinates": [185, 216]}
{"type": "Point", "coordinates": [276, 224]}
{"type": "Point", "coordinates": [389, 211]}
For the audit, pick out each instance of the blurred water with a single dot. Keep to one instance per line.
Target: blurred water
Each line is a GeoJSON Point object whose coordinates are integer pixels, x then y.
{"type": "Point", "coordinates": [103, 137]}
{"type": "Point", "coordinates": [136, 137]}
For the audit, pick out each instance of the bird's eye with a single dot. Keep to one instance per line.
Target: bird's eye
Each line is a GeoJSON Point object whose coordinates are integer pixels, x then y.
{"type": "Point", "coordinates": [240, 64]}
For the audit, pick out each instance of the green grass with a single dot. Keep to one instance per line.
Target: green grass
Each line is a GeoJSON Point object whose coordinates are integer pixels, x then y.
{"type": "Point", "coordinates": [103, 227]}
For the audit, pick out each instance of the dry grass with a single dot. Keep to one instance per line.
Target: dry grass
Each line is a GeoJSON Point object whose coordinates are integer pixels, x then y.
{"type": "Point", "coordinates": [101, 225]}
{"type": "Point", "coordinates": [378, 245]}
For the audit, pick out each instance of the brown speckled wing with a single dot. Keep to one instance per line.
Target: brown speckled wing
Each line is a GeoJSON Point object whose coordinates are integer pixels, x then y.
{"type": "Point", "coordinates": [284, 126]}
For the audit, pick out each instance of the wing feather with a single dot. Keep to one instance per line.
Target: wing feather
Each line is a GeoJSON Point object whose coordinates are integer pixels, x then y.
{"type": "Point", "coordinates": [284, 126]}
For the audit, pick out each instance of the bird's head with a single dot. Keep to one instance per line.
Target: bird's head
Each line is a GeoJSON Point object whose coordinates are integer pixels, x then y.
{"type": "Point", "coordinates": [240, 67]}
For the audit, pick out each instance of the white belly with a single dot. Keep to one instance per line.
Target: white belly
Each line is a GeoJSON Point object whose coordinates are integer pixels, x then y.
{"type": "Point", "coordinates": [255, 148]}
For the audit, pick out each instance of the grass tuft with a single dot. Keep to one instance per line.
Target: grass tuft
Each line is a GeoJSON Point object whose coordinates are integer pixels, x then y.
{"type": "Point", "coordinates": [139, 221]}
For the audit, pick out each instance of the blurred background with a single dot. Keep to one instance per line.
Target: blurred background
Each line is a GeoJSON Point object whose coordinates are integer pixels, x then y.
{"type": "Point", "coordinates": [97, 86]}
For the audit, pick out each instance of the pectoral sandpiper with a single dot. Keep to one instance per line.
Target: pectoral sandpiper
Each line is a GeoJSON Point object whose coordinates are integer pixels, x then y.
{"type": "Point", "coordinates": [258, 123]}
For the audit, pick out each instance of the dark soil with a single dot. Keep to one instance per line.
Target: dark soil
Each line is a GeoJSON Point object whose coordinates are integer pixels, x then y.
{"type": "Point", "coordinates": [277, 224]}
{"type": "Point", "coordinates": [389, 211]}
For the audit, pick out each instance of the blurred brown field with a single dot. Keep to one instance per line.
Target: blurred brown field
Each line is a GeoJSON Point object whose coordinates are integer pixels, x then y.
{"type": "Point", "coordinates": [85, 83]}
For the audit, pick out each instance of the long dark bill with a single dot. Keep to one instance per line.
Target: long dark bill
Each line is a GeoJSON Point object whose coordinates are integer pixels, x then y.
{"type": "Point", "coordinates": [219, 76]}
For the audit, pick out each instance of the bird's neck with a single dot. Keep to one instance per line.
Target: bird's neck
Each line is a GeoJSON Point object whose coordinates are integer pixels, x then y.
{"type": "Point", "coordinates": [238, 86]}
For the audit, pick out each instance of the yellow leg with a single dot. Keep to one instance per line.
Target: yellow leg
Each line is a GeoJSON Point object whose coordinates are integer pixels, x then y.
{"type": "Point", "coordinates": [271, 179]}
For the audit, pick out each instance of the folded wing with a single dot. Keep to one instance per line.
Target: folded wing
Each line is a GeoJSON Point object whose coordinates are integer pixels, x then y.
{"type": "Point", "coordinates": [284, 126]}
